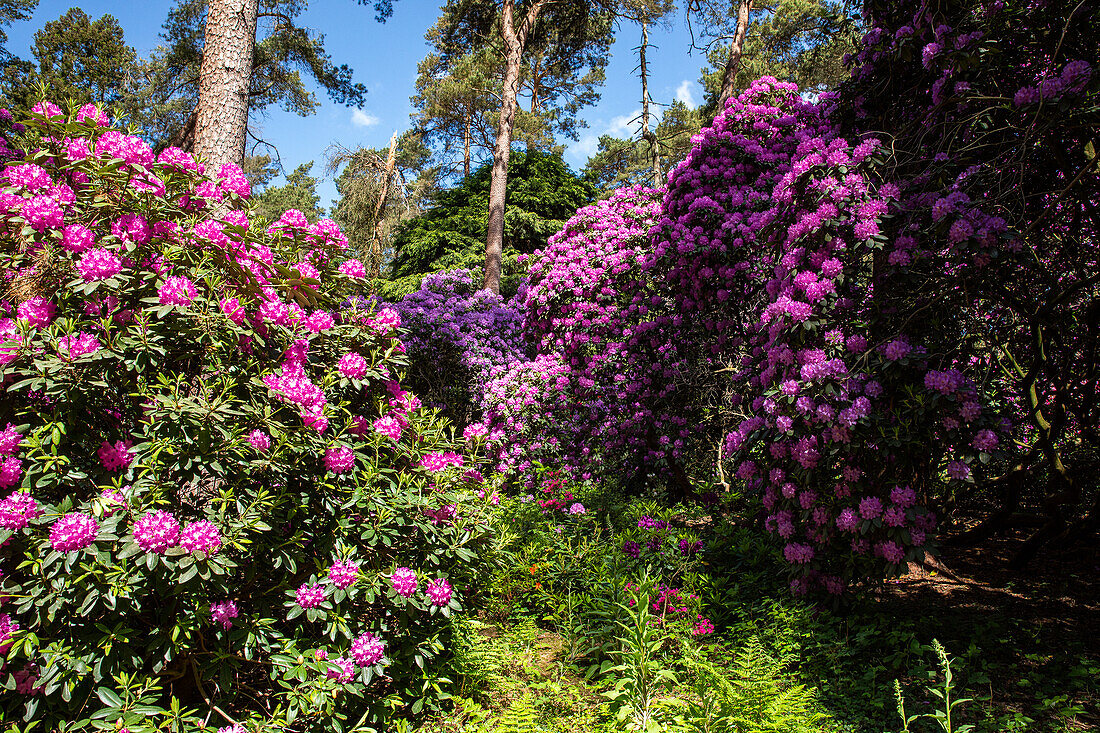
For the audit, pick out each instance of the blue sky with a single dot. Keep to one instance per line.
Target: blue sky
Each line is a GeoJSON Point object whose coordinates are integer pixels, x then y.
{"type": "Point", "coordinates": [384, 58]}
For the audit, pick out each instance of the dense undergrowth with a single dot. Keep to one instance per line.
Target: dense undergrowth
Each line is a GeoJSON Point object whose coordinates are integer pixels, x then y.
{"type": "Point", "coordinates": [581, 632]}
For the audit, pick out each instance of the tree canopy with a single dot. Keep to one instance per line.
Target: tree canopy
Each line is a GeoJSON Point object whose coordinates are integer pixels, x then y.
{"type": "Point", "coordinates": [77, 59]}
{"type": "Point", "coordinates": [288, 59]}
{"type": "Point", "coordinates": [542, 194]}
{"type": "Point", "coordinates": [299, 192]}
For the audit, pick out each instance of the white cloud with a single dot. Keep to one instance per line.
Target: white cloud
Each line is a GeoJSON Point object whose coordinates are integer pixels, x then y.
{"type": "Point", "coordinates": [625, 125]}
{"type": "Point", "coordinates": [359, 118]}
{"type": "Point", "coordinates": [686, 93]}
{"type": "Point", "coordinates": [584, 148]}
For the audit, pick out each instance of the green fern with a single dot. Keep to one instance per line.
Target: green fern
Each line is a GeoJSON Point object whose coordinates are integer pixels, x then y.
{"type": "Point", "coordinates": [520, 717]}
{"type": "Point", "coordinates": [477, 659]}
{"type": "Point", "coordinates": [752, 695]}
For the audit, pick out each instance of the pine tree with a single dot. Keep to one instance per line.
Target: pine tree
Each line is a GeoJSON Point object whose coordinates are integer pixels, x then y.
{"type": "Point", "coordinates": [299, 192]}
{"type": "Point", "coordinates": [558, 40]}
{"type": "Point", "coordinates": [77, 59]}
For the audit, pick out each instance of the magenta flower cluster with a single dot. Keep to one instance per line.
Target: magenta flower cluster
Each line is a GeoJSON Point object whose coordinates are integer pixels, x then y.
{"type": "Point", "coordinates": [73, 531]}
{"type": "Point", "coordinates": [157, 531]}
{"type": "Point", "coordinates": [310, 595]}
{"type": "Point", "coordinates": [404, 582]}
{"type": "Point", "coordinates": [202, 536]}
{"type": "Point", "coordinates": [343, 574]}
{"type": "Point", "coordinates": [439, 592]}
{"type": "Point", "coordinates": [223, 613]}
{"type": "Point", "coordinates": [441, 460]}
{"type": "Point", "coordinates": [367, 650]}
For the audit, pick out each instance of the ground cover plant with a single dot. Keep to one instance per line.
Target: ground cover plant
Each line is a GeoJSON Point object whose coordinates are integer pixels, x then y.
{"type": "Point", "coordinates": [218, 497]}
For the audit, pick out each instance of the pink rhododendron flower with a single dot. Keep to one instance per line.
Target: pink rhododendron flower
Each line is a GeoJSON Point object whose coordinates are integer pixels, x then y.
{"type": "Point", "coordinates": [26, 680]}
{"type": "Point", "coordinates": [77, 238]}
{"type": "Point", "coordinates": [389, 426]}
{"type": "Point", "coordinates": [310, 596]}
{"type": "Point", "coordinates": [178, 160]}
{"type": "Point", "coordinates": [233, 179]}
{"type": "Point", "coordinates": [10, 438]}
{"type": "Point", "coordinates": [92, 113]}
{"type": "Point", "coordinates": [177, 290]}
{"type": "Point", "coordinates": [201, 536]}
{"type": "Point", "coordinates": [985, 440]}
{"type": "Point", "coordinates": [359, 426]}
{"type": "Point", "coordinates": [42, 213]}
{"type": "Point", "coordinates": [113, 502]}
{"type": "Point", "coordinates": [28, 176]}
{"type": "Point", "coordinates": [473, 431]}
{"type": "Point", "coordinates": [115, 457]}
{"type": "Point", "coordinates": [11, 470]}
{"type": "Point", "coordinates": [386, 320]}
{"type": "Point", "coordinates": [890, 551]}
{"type": "Point", "coordinates": [353, 268]}
{"type": "Point", "coordinates": [404, 581]}
{"type": "Point", "coordinates": [341, 669]}
{"type": "Point", "coordinates": [233, 310]}
{"type": "Point", "coordinates": [367, 650]}
{"type": "Point", "coordinates": [8, 627]}
{"type": "Point", "coordinates": [352, 365]}
{"type": "Point", "coordinates": [870, 507]}
{"type": "Point", "coordinates": [259, 440]}
{"type": "Point", "coordinates": [339, 459]}
{"type": "Point", "coordinates": [223, 613]}
{"type": "Point", "coordinates": [132, 229]}
{"type": "Point", "coordinates": [343, 573]}
{"type": "Point", "coordinates": [798, 553]}
{"type": "Point", "coordinates": [47, 109]}
{"type": "Point", "coordinates": [703, 627]}
{"type": "Point", "coordinates": [157, 531]}
{"type": "Point", "coordinates": [958, 470]}
{"type": "Point", "coordinates": [37, 312]}
{"type": "Point", "coordinates": [98, 264]}
{"type": "Point", "coordinates": [439, 591]}
{"type": "Point", "coordinates": [78, 345]}
{"type": "Point", "coordinates": [213, 232]}
{"type": "Point", "coordinates": [73, 532]}
{"type": "Point", "coordinates": [17, 511]}
{"type": "Point", "coordinates": [438, 461]}
{"type": "Point", "coordinates": [903, 496]}
{"type": "Point", "coordinates": [319, 321]}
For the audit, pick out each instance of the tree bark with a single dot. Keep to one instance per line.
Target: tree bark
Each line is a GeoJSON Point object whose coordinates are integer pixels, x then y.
{"type": "Point", "coordinates": [221, 117]}
{"type": "Point", "coordinates": [647, 134]}
{"type": "Point", "coordinates": [466, 145]}
{"type": "Point", "coordinates": [379, 208]}
{"type": "Point", "coordinates": [184, 137]}
{"type": "Point", "coordinates": [515, 42]}
{"type": "Point", "coordinates": [729, 76]}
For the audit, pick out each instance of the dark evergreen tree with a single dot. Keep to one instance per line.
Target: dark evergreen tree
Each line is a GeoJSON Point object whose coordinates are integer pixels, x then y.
{"type": "Point", "coordinates": [542, 194]}
{"type": "Point", "coordinates": [299, 192]}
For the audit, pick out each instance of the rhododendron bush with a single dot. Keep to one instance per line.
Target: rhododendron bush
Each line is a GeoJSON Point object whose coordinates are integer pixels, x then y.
{"type": "Point", "coordinates": [842, 425]}
{"type": "Point", "coordinates": [882, 343]}
{"type": "Point", "coordinates": [594, 396]}
{"type": "Point", "coordinates": [994, 246]}
{"type": "Point", "coordinates": [845, 316]}
{"type": "Point", "coordinates": [218, 503]}
{"type": "Point", "coordinates": [456, 335]}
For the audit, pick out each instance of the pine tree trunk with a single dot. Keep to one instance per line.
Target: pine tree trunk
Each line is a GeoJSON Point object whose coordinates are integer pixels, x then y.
{"type": "Point", "coordinates": [647, 134]}
{"type": "Point", "coordinates": [380, 207]}
{"type": "Point", "coordinates": [466, 146]}
{"type": "Point", "coordinates": [515, 41]}
{"type": "Point", "coordinates": [729, 76]}
{"type": "Point", "coordinates": [224, 79]}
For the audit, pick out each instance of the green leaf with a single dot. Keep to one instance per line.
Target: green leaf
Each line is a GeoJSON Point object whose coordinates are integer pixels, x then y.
{"type": "Point", "coordinates": [109, 697]}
